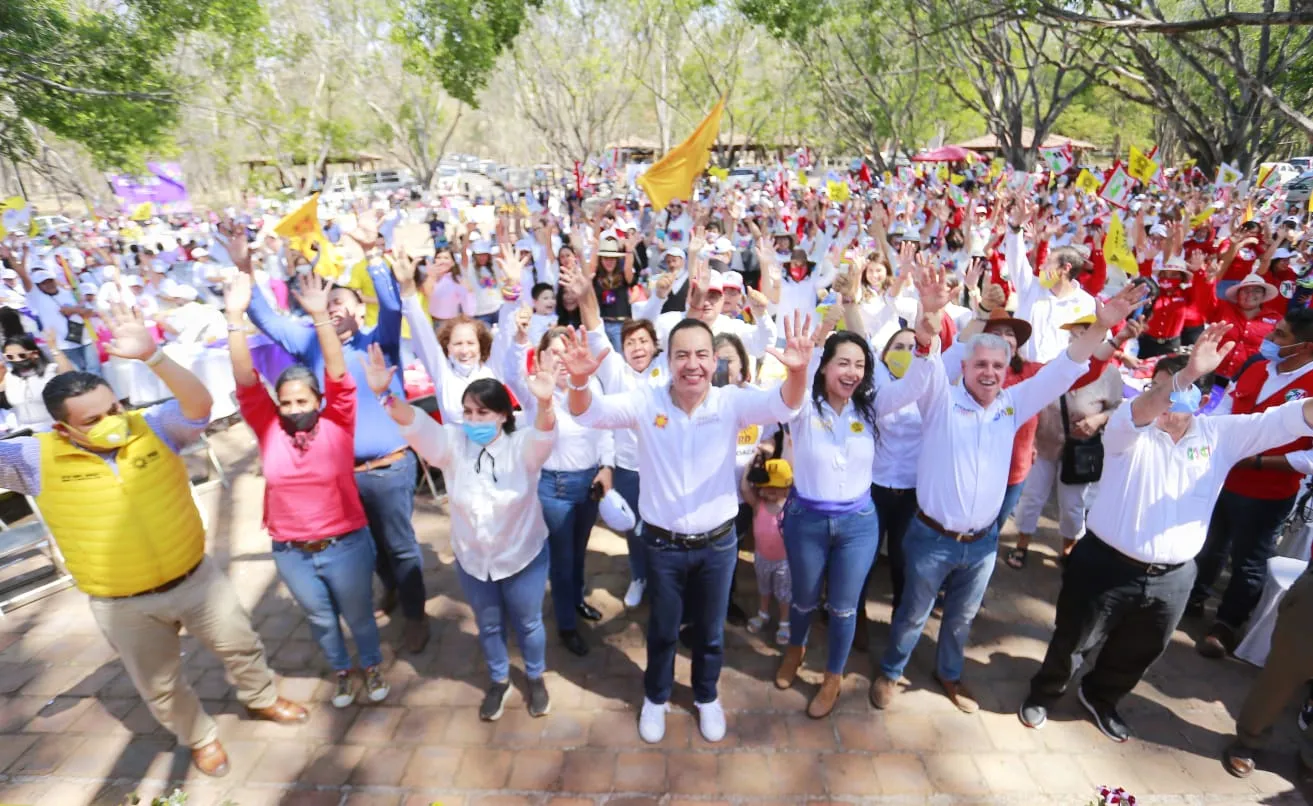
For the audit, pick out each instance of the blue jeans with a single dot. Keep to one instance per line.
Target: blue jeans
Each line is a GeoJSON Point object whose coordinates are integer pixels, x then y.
{"type": "Point", "coordinates": [332, 586]}
{"type": "Point", "coordinates": [489, 319]}
{"type": "Point", "coordinates": [626, 483]}
{"type": "Point", "coordinates": [838, 550]}
{"type": "Point", "coordinates": [613, 334]}
{"type": "Point", "coordinates": [1246, 529]}
{"type": "Point", "coordinates": [692, 582]}
{"type": "Point", "coordinates": [570, 515]}
{"type": "Point", "coordinates": [86, 358]}
{"type": "Point", "coordinates": [516, 600]}
{"type": "Point", "coordinates": [388, 495]}
{"type": "Point", "coordinates": [934, 561]}
{"type": "Point", "coordinates": [1010, 498]}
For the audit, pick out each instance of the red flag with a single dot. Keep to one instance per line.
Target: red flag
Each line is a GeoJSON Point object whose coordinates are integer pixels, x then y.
{"type": "Point", "coordinates": [864, 175]}
{"type": "Point", "coordinates": [578, 179]}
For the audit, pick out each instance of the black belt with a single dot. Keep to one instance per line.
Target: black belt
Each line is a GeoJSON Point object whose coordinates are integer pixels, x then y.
{"type": "Point", "coordinates": [960, 537]}
{"type": "Point", "coordinates": [1148, 569]}
{"type": "Point", "coordinates": [697, 541]}
{"type": "Point", "coordinates": [165, 588]}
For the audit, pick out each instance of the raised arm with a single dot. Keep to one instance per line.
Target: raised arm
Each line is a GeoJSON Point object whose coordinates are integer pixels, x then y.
{"type": "Point", "coordinates": [132, 341]}
{"type": "Point", "coordinates": [236, 299]}
{"type": "Point", "coordinates": [61, 361]}
{"type": "Point", "coordinates": [312, 294]}
{"type": "Point", "coordinates": [292, 336]}
{"type": "Point", "coordinates": [1107, 314]}
{"type": "Point", "coordinates": [1205, 356]}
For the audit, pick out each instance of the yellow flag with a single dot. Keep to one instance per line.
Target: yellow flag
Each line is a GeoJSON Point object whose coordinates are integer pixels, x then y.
{"type": "Point", "coordinates": [942, 173]}
{"type": "Point", "coordinates": [142, 212]}
{"type": "Point", "coordinates": [956, 179]}
{"type": "Point", "coordinates": [802, 178]}
{"type": "Point", "coordinates": [301, 227]}
{"type": "Point", "coordinates": [1087, 182]}
{"type": "Point", "coordinates": [32, 229]}
{"type": "Point", "coordinates": [1310, 202]}
{"type": "Point", "coordinates": [1141, 167]}
{"type": "Point", "coordinates": [837, 191]}
{"type": "Point", "coordinates": [14, 203]}
{"type": "Point", "coordinates": [1265, 173]}
{"type": "Point", "coordinates": [673, 175]}
{"type": "Point", "coordinates": [1249, 213]}
{"type": "Point", "coordinates": [1116, 249]}
{"type": "Point", "coordinates": [719, 173]}
{"type": "Point", "coordinates": [1201, 218]}
{"type": "Point", "coordinates": [995, 168]}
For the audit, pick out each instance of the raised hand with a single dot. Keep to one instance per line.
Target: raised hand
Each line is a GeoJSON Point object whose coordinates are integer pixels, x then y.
{"type": "Point", "coordinates": [132, 340]}
{"type": "Point", "coordinates": [403, 268]}
{"type": "Point", "coordinates": [1120, 306]}
{"type": "Point", "coordinates": [575, 281]}
{"type": "Point", "coordinates": [931, 286]}
{"type": "Point", "coordinates": [237, 295]}
{"type": "Point", "coordinates": [377, 372]}
{"type": "Point", "coordinates": [542, 383]}
{"type": "Point", "coordinates": [757, 302]}
{"type": "Point", "coordinates": [512, 267]}
{"type": "Point", "coordinates": [312, 294]}
{"type": "Point", "coordinates": [239, 250]}
{"type": "Point", "coordinates": [523, 317]}
{"type": "Point", "coordinates": [1209, 350]}
{"type": "Point", "coordinates": [577, 359]}
{"type": "Point", "coordinates": [798, 344]}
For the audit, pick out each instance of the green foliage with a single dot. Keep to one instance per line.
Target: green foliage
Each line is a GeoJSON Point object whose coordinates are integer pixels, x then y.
{"type": "Point", "coordinates": [460, 41]}
{"type": "Point", "coordinates": [107, 79]}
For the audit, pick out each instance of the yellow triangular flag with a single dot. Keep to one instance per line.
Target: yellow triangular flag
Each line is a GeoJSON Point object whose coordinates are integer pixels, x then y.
{"type": "Point", "coordinates": [142, 212]}
{"type": "Point", "coordinates": [1116, 250]}
{"type": "Point", "coordinates": [956, 179]}
{"type": "Point", "coordinates": [1265, 173]}
{"type": "Point", "coordinates": [1141, 167]}
{"type": "Point", "coordinates": [1249, 213]}
{"type": "Point", "coordinates": [14, 203]}
{"type": "Point", "coordinates": [802, 179]}
{"type": "Point", "coordinates": [32, 229]}
{"type": "Point", "coordinates": [301, 227]}
{"type": "Point", "coordinates": [1087, 182]}
{"type": "Point", "coordinates": [942, 173]}
{"type": "Point", "coordinates": [719, 173]}
{"type": "Point", "coordinates": [673, 175]}
{"type": "Point", "coordinates": [1201, 218]}
{"type": "Point", "coordinates": [837, 191]}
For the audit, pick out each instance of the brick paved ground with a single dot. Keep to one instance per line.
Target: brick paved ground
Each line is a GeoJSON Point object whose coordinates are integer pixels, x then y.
{"type": "Point", "coordinates": [73, 731]}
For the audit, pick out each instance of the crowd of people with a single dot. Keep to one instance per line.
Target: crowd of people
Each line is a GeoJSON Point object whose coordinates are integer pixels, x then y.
{"type": "Point", "coordinates": [840, 386]}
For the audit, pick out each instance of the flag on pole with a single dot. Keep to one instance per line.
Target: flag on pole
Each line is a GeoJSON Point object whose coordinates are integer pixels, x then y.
{"type": "Point", "coordinates": [673, 175]}
{"type": "Point", "coordinates": [1266, 174]}
{"type": "Point", "coordinates": [1117, 250]}
{"type": "Point", "coordinates": [837, 191]}
{"type": "Point", "coordinates": [1116, 188]}
{"type": "Point", "coordinates": [1057, 158]}
{"type": "Point", "coordinates": [1141, 166]}
{"type": "Point", "coordinates": [301, 227]}
{"type": "Point", "coordinates": [1200, 219]}
{"type": "Point", "coordinates": [1227, 175]}
{"type": "Point", "coordinates": [1085, 181]}
{"type": "Point", "coordinates": [142, 212]}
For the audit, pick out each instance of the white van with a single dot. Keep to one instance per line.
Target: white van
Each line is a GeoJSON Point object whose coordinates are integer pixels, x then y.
{"type": "Point", "coordinates": [381, 181]}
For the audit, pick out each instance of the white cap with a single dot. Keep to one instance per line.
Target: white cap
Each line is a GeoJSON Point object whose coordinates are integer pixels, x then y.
{"type": "Point", "coordinates": [40, 276]}
{"type": "Point", "coordinates": [199, 252]}
{"type": "Point", "coordinates": [715, 281]}
{"type": "Point", "coordinates": [722, 246]}
{"type": "Point", "coordinates": [1283, 253]}
{"type": "Point", "coordinates": [483, 247]}
{"type": "Point", "coordinates": [134, 281]}
{"type": "Point", "coordinates": [676, 251]}
{"type": "Point", "coordinates": [8, 274]}
{"type": "Point", "coordinates": [1158, 230]}
{"type": "Point", "coordinates": [616, 513]}
{"type": "Point", "coordinates": [88, 288]}
{"type": "Point", "coordinates": [731, 279]}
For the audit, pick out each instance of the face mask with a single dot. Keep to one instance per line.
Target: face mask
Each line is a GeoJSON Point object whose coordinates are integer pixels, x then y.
{"type": "Point", "coordinates": [300, 422]}
{"type": "Point", "coordinates": [22, 368]}
{"type": "Point", "coordinates": [108, 434]}
{"type": "Point", "coordinates": [480, 433]}
{"type": "Point", "coordinates": [1048, 279]}
{"type": "Point", "coordinates": [1186, 402]}
{"type": "Point", "coordinates": [898, 362]}
{"type": "Point", "coordinates": [463, 370]}
{"type": "Point", "coordinates": [797, 272]}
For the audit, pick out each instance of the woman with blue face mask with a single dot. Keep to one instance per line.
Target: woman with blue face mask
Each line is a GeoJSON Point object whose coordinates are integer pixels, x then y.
{"type": "Point", "coordinates": [498, 533]}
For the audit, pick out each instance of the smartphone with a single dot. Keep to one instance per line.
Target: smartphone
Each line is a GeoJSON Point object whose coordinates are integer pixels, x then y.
{"type": "Point", "coordinates": [596, 493]}
{"type": "Point", "coordinates": [721, 376]}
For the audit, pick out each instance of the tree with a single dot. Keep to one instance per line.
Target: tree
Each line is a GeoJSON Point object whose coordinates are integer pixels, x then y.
{"type": "Point", "coordinates": [108, 79]}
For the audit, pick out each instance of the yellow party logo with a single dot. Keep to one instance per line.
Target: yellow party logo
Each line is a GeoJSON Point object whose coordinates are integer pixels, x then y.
{"type": "Point", "coordinates": [857, 427]}
{"type": "Point", "coordinates": [660, 421]}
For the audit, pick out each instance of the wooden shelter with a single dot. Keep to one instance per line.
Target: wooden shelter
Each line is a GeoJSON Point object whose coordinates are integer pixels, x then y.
{"type": "Point", "coordinates": [989, 144]}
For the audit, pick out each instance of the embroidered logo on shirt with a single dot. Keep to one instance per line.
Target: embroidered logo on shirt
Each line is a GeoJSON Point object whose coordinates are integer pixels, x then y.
{"type": "Point", "coordinates": [1197, 453]}
{"type": "Point", "coordinates": [656, 371]}
{"type": "Point", "coordinates": [1294, 394]}
{"type": "Point", "coordinates": [856, 427]}
{"type": "Point", "coordinates": [660, 421]}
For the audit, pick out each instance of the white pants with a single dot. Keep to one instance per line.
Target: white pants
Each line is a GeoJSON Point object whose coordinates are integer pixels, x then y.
{"type": "Point", "coordinates": [1072, 500]}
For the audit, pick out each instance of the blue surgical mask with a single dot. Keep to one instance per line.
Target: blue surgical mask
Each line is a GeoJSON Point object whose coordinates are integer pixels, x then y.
{"type": "Point", "coordinates": [1187, 401]}
{"type": "Point", "coordinates": [480, 433]}
{"type": "Point", "coordinates": [1270, 350]}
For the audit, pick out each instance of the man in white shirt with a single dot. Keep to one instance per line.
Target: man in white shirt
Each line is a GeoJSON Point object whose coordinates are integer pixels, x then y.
{"type": "Point", "coordinates": [1050, 300]}
{"type": "Point", "coordinates": [1128, 580]}
{"type": "Point", "coordinates": [687, 436]}
{"type": "Point", "coordinates": [61, 313]}
{"type": "Point", "coordinates": [706, 302]}
{"type": "Point", "coordinates": [962, 474]}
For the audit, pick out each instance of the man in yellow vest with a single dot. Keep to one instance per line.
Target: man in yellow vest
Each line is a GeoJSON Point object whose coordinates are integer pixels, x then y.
{"type": "Point", "coordinates": [116, 496]}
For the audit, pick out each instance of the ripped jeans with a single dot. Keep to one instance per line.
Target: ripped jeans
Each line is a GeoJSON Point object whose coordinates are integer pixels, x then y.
{"type": "Point", "coordinates": [835, 550]}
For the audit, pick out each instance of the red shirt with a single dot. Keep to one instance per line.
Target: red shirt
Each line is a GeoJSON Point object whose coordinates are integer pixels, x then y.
{"type": "Point", "coordinates": [1267, 485]}
{"type": "Point", "coordinates": [1096, 278]}
{"type": "Point", "coordinates": [309, 494]}
{"type": "Point", "coordinates": [1023, 444]}
{"type": "Point", "coordinates": [1245, 261]}
{"type": "Point", "coordinates": [1284, 278]}
{"type": "Point", "coordinates": [1168, 315]}
{"type": "Point", "coordinates": [1247, 334]}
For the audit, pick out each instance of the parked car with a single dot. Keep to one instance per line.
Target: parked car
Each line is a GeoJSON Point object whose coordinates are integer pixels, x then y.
{"type": "Point", "coordinates": [1303, 164]}
{"type": "Point", "coordinates": [743, 176]}
{"type": "Point", "coordinates": [382, 181]}
{"type": "Point", "coordinates": [487, 168]}
{"type": "Point", "coordinates": [1299, 189]}
{"type": "Point", "coordinates": [53, 223]}
{"type": "Point", "coordinates": [1284, 171]}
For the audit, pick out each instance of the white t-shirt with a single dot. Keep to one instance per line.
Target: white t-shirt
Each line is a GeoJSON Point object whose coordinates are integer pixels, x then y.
{"type": "Point", "coordinates": [24, 396]}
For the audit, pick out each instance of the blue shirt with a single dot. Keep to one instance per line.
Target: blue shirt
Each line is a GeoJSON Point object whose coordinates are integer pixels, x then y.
{"type": "Point", "coordinates": [376, 434]}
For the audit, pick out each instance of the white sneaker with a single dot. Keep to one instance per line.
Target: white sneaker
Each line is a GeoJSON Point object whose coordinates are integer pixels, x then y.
{"type": "Point", "coordinates": [711, 720]}
{"type": "Point", "coordinates": [344, 692]}
{"type": "Point", "coordinates": [652, 721]}
{"type": "Point", "coordinates": [758, 622]}
{"type": "Point", "coordinates": [634, 596]}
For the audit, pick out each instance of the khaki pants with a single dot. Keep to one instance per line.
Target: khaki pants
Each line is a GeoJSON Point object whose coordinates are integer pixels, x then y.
{"type": "Point", "coordinates": [144, 630]}
{"type": "Point", "coordinates": [1289, 666]}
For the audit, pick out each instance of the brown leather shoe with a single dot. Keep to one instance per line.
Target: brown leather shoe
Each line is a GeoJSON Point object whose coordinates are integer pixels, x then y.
{"type": "Point", "coordinates": [211, 759]}
{"type": "Point", "coordinates": [789, 666]}
{"type": "Point", "coordinates": [882, 691]}
{"type": "Point", "coordinates": [1218, 643]}
{"type": "Point", "coordinates": [1238, 760]}
{"type": "Point", "coordinates": [823, 703]}
{"type": "Point", "coordinates": [283, 711]}
{"type": "Point", "coordinates": [959, 694]}
{"type": "Point", "coordinates": [415, 635]}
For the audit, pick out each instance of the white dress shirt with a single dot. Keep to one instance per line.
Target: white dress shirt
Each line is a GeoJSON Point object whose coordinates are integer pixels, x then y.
{"type": "Point", "coordinates": [1156, 496]}
{"type": "Point", "coordinates": [24, 396]}
{"type": "Point", "coordinates": [687, 461]}
{"type": "Point", "coordinates": [834, 452]}
{"type": "Point", "coordinates": [577, 447]}
{"type": "Point", "coordinates": [450, 380]}
{"type": "Point", "coordinates": [47, 308]}
{"type": "Point", "coordinates": [966, 450]}
{"type": "Point", "coordinates": [897, 440]}
{"type": "Point", "coordinates": [1045, 311]}
{"type": "Point", "coordinates": [617, 376]}
{"type": "Point", "coordinates": [497, 525]}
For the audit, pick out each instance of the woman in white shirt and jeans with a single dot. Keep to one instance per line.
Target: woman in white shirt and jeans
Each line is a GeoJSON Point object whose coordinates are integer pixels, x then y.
{"type": "Point", "coordinates": [24, 375]}
{"type": "Point", "coordinates": [498, 533]}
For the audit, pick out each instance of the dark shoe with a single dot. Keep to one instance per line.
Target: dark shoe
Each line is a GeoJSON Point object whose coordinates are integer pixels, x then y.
{"type": "Point", "coordinates": [283, 711]}
{"type": "Point", "coordinates": [1194, 608]}
{"type": "Point", "coordinates": [386, 604]}
{"type": "Point", "coordinates": [882, 691]}
{"type": "Point", "coordinates": [539, 703]}
{"type": "Point", "coordinates": [574, 642]}
{"type": "Point", "coordinates": [588, 612]}
{"type": "Point", "coordinates": [1107, 719]}
{"type": "Point", "coordinates": [959, 695]}
{"type": "Point", "coordinates": [1238, 760]}
{"type": "Point", "coordinates": [1016, 557]}
{"type": "Point", "coordinates": [1305, 715]}
{"type": "Point", "coordinates": [415, 635]}
{"type": "Point", "coordinates": [1218, 643]}
{"type": "Point", "coordinates": [494, 701]}
{"type": "Point", "coordinates": [211, 759]}
{"type": "Point", "coordinates": [1032, 714]}
{"type": "Point", "coordinates": [735, 615]}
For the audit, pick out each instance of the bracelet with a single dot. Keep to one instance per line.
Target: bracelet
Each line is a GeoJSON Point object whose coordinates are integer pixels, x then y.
{"type": "Point", "coordinates": [155, 358]}
{"type": "Point", "coordinates": [569, 384]}
{"type": "Point", "coordinates": [387, 399]}
{"type": "Point", "coordinates": [325, 322]}
{"type": "Point", "coordinates": [983, 309]}
{"type": "Point", "coordinates": [236, 328]}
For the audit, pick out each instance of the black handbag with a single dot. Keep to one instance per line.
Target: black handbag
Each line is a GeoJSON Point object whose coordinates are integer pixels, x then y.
{"type": "Point", "coordinates": [1082, 459]}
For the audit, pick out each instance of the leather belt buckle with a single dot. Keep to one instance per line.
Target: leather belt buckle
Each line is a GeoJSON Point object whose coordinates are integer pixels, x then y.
{"type": "Point", "coordinates": [315, 546]}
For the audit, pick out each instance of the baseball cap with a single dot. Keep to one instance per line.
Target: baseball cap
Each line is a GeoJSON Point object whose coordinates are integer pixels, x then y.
{"type": "Point", "coordinates": [1158, 230]}
{"type": "Point", "coordinates": [715, 281]}
{"type": "Point", "coordinates": [133, 281]}
{"type": "Point", "coordinates": [199, 252]}
{"type": "Point", "coordinates": [780, 473]}
{"type": "Point", "coordinates": [676, 251]}
{"type": "Point", "coordinates": [731, 279]}
{"type": "Point", "coordinates": [616, 513]}
{"type": "Point", "coordinates": [8, 274]}
{"type": "Point", "coordinates": [88, 288]}
{"type": "Point", "coordinates": [40, 276]}
{"type": "Point", "coordinates": [722, 246]}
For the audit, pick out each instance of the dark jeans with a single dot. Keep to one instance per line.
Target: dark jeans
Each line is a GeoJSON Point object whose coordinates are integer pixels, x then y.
{"type": "Point", "coordinates": [570, 515]}
{"type": "Point", "coordinates": [694, 582]}
{"type": "Point", "coordinates": [1247, 529]}
{"type": "Point", "coordinates": [388, 495]}
{"type": "Point", "coordinates": [625, 482]}
{"type": "Point", "coordinates": [1010, 498]}
{"type": "Point", "coordinates": [1105, 599]}
{"type": "Point", "coordinates": [1151, 347]}
{"type": "Point", "coordinates": [1190, 335]}
{"type": "Point", "coordinates": [896, 509]}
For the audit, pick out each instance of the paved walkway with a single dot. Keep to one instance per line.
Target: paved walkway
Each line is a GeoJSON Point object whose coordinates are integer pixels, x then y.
{"type": "Point", "coordinates": [73, 731]}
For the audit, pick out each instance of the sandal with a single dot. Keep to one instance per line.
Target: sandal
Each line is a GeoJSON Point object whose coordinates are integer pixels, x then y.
{"type": "Point", "coordinates": [1016, 557]}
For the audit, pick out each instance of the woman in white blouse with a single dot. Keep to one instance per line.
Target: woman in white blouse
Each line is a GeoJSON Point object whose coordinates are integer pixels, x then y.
{"type": "Point", "coordinates": [24, 375]}
{"type": "Point", "coordinates": [831, 530]}
{"type": "Point", "coordinates": [498, 533]}
{"type": "Point", "coordinates": [573, 481]}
